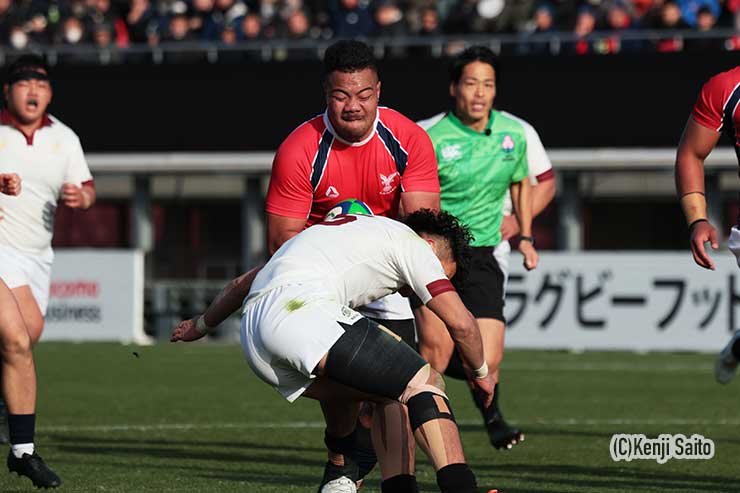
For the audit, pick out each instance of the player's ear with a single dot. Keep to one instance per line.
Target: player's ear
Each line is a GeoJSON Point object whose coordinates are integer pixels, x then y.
{"type": "Point", "coordinates": [452, 90]}
{"type": "Point", "coordinates": [377, 90]}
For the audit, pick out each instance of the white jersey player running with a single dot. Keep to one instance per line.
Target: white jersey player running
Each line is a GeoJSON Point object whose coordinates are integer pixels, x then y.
{"type": "Point", "coordinates": [301, 334]}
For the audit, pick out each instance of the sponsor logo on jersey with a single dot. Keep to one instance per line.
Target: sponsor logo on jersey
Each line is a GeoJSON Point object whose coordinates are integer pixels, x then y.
{"type": "Point", "coordinates": [507, 144]}
{"type": "Point", "coordinates": [331, 192]}
{"type": "Point", "coordinates": [389, 183]}
{"type": "Point", "coordinates": [451, 152]}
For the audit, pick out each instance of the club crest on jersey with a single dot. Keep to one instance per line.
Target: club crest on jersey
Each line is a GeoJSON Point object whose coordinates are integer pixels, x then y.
{"type": "Point", "coordinates": [389, 183]}
{"type": "Point", "coordinates": [331, 192]}
{"type": "Point", "coordinates": [507, 144]}
{"type": "Point", "coordinates": [451, 152]}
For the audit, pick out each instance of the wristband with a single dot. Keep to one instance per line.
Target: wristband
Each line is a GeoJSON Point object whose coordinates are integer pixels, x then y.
{"type": "Point", "coordinates": [691, 226]}
{"type": "Point", "coordinates": [527, 238]}
{"type": "Point", "coordinates": [481, 372]}
{"type": "Point", "coordinates": [200, 325]}
{"type": "Point", "coordinates": [694, 206]}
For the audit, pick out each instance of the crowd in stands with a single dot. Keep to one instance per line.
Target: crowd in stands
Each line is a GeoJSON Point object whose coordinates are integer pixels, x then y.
{"type": "Point", "coordinates": [115, 23]}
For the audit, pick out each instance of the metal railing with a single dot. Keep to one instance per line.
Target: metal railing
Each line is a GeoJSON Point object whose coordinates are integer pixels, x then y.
{"type": "Point", "coordinates": [553, 43]}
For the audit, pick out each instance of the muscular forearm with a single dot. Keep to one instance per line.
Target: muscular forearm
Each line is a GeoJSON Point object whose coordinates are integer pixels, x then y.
{"type": "Point", "coordinates": [230, 299]}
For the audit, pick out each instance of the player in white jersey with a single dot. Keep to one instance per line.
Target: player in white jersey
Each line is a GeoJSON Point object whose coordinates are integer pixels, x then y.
{"type": "Point", "coordinates": [18, 383]}
{"type": "Point", "coordinates": [49, 158]}
{"type": "Point", "coordinates": [301, 334]}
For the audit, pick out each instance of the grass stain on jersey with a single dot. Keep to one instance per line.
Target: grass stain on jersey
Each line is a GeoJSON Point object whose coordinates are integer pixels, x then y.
{"type": "Point", "coordinates": [294, 305]}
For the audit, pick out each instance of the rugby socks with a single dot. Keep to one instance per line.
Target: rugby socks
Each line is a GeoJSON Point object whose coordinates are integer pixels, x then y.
{"type": "Point", "coordinates": [21, 428]}
{"type": "Point", "coordinates": [456, 478]}
{"type": "Point", "coordinates": [403, 483]}
{"type": "Point", "coordinates": [364, 451]}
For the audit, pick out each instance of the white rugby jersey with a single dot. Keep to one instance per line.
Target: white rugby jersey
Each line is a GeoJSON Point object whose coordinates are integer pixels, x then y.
{"type": "Point", "coordinates": [540, 167]}
{"type": "Point", "coordinates": [358, 258]}
{"type": "Point", "coordinates": [45, 161]}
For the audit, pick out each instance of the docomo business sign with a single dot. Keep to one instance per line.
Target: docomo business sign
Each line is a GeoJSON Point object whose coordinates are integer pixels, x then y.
{"type": "Point", "coordinates": [96, 295]}
{"type": "Point", "coordinates": [636, 301]}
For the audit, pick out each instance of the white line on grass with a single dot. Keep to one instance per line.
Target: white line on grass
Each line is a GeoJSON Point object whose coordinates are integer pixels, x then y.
{"type": "Point", "coordinates": [620, 367]}
{"type": "Point", "coordinates": [289, 425]}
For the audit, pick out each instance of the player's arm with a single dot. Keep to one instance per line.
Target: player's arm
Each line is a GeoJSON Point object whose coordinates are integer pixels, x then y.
{"type": "Point", "coordinates": [542, 195]}
{"type": "Point", "coordinates": [421, 179]}
{"type": "Point", "coordinates": [413, 201]}
{"type": "Point", "coordinates": [696, 143]}
{"type": "Point", "coordinates": [290, 194]}
{"type": "Point", "coordinates": [282, 228]}
{"type": "Point", "coordinates": [227, 302]}
{"type": "Point", "coordinates": [521, 198]}
{"type": "Point", "coordinates": [464, 330]}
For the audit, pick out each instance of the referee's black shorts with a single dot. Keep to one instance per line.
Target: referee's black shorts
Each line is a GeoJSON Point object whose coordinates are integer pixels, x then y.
{"type": "Point", "coordinates": [482, 291]}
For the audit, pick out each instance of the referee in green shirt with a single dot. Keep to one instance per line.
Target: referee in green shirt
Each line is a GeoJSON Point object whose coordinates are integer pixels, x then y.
{"type": "Point", "coordinates": [482, 154]}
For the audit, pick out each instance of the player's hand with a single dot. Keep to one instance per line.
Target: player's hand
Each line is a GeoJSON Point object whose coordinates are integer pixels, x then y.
{"type": "Point", "coordinates": [10, 183]}
{"type": "Point", "coordinates": [509, 227]}
{"type": "Point", "coordinates": [531, 258]}
{"type": "Point", "coordinates": [73, 196]}
{"type": "Point", "coordinates": [186, 331]}
{"type": "Point", "coordinates": [701, 233]}
{"type": "Point", "coordinates": [486, 386]}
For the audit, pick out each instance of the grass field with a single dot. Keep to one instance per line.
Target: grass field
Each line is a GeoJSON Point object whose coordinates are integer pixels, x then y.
{"type": "Point", "coordinates": [193, 418]}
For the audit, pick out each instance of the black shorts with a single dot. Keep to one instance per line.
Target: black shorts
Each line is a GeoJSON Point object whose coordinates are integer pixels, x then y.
{"type": "Point", "coordinates": [405, 329]}
{"type": "Point", "coordinates": [372, 359]}
{"type": "Point", "coordinates": [482, 291]}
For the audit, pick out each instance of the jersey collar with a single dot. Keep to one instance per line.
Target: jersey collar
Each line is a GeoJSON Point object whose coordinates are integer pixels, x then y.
{"type": "Point", "coordinates": [458, 123]}
{"type": "Point", "coordinates": [330, 127]}
{"type": "Point", "coordinates": [7, 118]}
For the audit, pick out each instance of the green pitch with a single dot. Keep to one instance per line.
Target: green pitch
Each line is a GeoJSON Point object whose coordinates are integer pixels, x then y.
{"type": "Point", "coordinates": [193, 418]}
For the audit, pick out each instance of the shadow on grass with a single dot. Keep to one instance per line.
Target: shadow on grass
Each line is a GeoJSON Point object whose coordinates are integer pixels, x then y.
{"type": "Point", "coordinates": [63, 440]}
{"type": "Point", "coordinates": [604, 478]}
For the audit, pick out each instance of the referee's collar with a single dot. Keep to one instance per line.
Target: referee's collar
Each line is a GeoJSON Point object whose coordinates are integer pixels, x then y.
{"type": "Point", "coordinates": [7, 118]}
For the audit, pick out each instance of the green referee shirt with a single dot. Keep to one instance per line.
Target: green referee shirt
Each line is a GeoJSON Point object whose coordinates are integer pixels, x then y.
{"type": "Point", "coordinates": [476, 169]}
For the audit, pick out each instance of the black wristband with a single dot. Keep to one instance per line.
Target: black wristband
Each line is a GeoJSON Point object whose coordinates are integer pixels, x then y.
{"type": "Point", "coordinates": [691, 226]}
{"type": "Point", "coordinates": [527, 238]}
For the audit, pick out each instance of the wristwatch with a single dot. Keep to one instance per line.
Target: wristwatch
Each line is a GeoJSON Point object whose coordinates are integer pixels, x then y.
{"type": "Point", "coordinates": [527, 238]}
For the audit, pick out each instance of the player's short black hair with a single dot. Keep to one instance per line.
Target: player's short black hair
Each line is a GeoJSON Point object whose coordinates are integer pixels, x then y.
{"type": "Point", "coordinates": [447, 226]}
{"type": "Point", "coordinates": [25, 63]}
{"type": "Point", "coordinates": [470, 55]}
{"type": "Point", "coordinates": [348, 56]}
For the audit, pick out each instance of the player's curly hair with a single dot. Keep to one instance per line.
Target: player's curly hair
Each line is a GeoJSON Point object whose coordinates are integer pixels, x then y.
{"type": "Point", "coordinates": [447, 226]}
{"type": "Point", "coordinates": [470, 55]}
{"type": "Point", "coordinates": [348, 56]}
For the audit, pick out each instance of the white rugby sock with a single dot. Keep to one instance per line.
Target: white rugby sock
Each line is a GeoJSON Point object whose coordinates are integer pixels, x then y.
{"type": "Point", "coordinates": [22, 448]}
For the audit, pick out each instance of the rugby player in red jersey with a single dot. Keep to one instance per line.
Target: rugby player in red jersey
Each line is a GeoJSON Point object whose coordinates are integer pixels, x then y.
{"type": "Point", "coordinates": [355, 149]}
{"type": "Point", "coordinates": [716, 111]}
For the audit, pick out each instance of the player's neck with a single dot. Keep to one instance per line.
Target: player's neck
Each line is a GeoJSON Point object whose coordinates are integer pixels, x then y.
{"type": "Point", "coordinates": [477, 125]}
{"type": "Point", "coordinates": [28, 128]}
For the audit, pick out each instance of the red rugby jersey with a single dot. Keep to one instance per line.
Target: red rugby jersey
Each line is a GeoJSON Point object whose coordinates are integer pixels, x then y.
{"type": "Point", "coordinates": [718, 106]}
{"type": "Point", "coordinates": [314, 168]}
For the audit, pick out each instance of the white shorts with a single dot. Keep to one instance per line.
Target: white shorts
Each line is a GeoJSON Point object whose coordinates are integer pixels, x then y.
{"type": "Point", "coordinates": [502, 254]}
{"type": "Point", "coordinates": [286, 331]}
{"type": "Point", "coordinates": [391, 307]}
{"type": "Point", "coordinates": [734, 243]}
{"type": "Point", "coordinates": [24, 269]}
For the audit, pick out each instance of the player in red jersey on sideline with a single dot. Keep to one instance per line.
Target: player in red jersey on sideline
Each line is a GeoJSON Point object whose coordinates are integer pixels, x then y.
{"type": "Point", "coordinates": [716, 111]}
